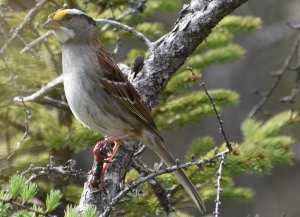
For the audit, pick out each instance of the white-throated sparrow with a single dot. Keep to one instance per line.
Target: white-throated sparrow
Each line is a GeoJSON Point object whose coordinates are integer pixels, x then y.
{"type": "Point", "coordinates": [99, 95]}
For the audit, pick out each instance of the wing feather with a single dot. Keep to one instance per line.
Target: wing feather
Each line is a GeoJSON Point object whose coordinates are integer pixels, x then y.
{"type": "Point", "coordinates": [116, 84]}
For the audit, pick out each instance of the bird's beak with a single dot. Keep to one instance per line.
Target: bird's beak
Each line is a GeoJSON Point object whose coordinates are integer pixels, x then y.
{"type": "Point", "coordinates": [50, 24]}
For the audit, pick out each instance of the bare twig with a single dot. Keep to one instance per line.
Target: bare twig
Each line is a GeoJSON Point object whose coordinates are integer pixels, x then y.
{"type": "Point", "coordinates": [278, 74]}
{"type": "Point", "coordinates": [224, 154]}
{"type": "Point", "coordinates": [53, 102]}
{"type": "Point", "coordinates": [140, 151]}
{"type": "Point", "coordinates": [137, 7]}
{"type": "Point", "coordinates": [36, 42]}
{"type": "Point", "coordinates": [129, 29]}
{"type": "Point", "coordinates": [43, 91]}
{"type": "Point", "coordinates": [28, 18]}
{"type": "Point", "coordinates": [220, 121]}
{"type": "Point", "coordinates": [295, 90]}
{"type": "Point", "coordinates": [67, 171]}
{"type": "Point", "coordinates": [160, 192]}
{"type": "Point", "coordinates": [26, 111]}
{"type": "Point", "coordinates": [40, 95]}
{"type": "Point", "coordinates": [34, 52]}
{"type": "Point", "coordinates": [218, 185]}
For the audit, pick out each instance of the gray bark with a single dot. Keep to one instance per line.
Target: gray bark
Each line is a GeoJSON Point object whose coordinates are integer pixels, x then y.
{"type": "Point", "coordinates": [195, 22]}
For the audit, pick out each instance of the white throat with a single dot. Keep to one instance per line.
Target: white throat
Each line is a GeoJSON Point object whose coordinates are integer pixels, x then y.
{"type": "Point", "coordinates": [63, 34]}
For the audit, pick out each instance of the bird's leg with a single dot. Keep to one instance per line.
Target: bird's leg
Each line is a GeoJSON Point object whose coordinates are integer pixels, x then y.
{"type": "Point", "coordinates": [102, 160]}
{"type": "Point", "coordinates": [100, 155]}
{"type": "Point", "coordinates": [106, 164]}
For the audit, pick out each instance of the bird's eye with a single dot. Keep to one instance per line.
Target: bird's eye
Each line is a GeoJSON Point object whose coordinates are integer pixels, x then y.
{"type": "Point", "coordinates": [68, 17]}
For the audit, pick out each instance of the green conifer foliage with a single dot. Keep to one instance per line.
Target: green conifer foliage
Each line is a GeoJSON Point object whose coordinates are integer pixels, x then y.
{"type": "Point", "coordinates": [54, 130]}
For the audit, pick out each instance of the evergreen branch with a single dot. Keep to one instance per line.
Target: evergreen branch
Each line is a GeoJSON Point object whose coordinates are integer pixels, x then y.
{"type": "Point", "coordinates": [156, 173]}
{"type": "Point", "coordinates": [25, 207]}
{"type": "Point", "coordinates": [218, 185]}
{"type": "Point", "coordinates": [129, 29]}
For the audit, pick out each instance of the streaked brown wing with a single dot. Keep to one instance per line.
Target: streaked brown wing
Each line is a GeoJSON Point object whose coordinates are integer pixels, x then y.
{"type": "Point", "coordinates": [115, 83]}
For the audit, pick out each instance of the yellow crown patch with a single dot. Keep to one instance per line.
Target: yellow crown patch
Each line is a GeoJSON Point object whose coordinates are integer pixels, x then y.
{"type": "Point", "coordinates": [59, 15]}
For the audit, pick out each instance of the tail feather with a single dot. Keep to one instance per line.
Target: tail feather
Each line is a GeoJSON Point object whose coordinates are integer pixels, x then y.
{"type": "Point", "coordinates": [156, 143]}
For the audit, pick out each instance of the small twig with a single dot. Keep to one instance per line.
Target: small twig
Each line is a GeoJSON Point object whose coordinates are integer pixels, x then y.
{"type": "Point", "coordinates": [57, 67]}
{"type": "Point", "coordinates": [220, 121]}
{"type": "Point", "coordinates": [154, 174]}
{"type": "Point", "coordinates": [36, 42]}
{"type": "Point", "coordinates": [278, 75]}
{"type": "Point", "coordinates": [27, 112]}
{"type": "Point", "coordinates": [67, 171]}
{"type": "Point", "coordinates": [28, 18]}
{"type": "Point", "coordinates": [43, 91]}
{"type": "Point", "coordinates": [218, 185]}
{"type": "Point", "coordinates": [160, 192]}
{"type": "Point", "coordinates": [137, 7]}
{"type": "Point", "coordinates": [294, 92]}
{"type": "Point", "coordinates": [224, 154]}
{"type": "Point", "coordinates": [129, 29]}
{"type": "Point", "coordinates": [140, 151]}
{"type": "Point", "coordinates": [34, 52]}
{"type": "Point", "coordinates": [55, 103]}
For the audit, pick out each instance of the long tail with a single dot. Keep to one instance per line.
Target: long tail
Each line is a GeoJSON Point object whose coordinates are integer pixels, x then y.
{"type": "Point", "coordinates": [156, 143]}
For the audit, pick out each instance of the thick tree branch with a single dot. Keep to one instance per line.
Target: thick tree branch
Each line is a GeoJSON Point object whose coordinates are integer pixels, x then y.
{"type": "Point", "coordinates": [195, 23]}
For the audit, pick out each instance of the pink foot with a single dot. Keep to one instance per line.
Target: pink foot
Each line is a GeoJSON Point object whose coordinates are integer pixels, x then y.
{"type": "Point", "coordinates": [102, 161]}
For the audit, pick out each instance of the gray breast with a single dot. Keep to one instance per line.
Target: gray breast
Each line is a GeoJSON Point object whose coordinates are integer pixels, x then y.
{"type": "Point", "coordinates": [91, 104]}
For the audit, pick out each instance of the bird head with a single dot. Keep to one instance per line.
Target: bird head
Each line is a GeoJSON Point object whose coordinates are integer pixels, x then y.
{"type": "Point", "coordinates": [70, 24]}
